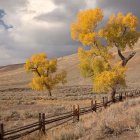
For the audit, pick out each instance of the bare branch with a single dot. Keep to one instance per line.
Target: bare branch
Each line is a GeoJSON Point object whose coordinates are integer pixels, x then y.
{"type": "Point", "coordinates": [120, 54]}
{"type": "Point", "coordinates": [128, 58]}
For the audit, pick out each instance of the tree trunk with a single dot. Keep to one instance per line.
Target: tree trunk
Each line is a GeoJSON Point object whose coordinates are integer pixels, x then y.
{"type": "Point", "coordinates": [112, 96]}
{"type": "Point", "coordinates": [50, 93]}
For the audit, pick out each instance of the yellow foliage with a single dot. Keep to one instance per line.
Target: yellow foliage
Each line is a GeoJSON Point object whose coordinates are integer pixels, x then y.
{"type": "Point", "coordinates": [83, 29]}
{"type": "Point", "coordinates": [38, 83]}
{"type": "Point", "coordinates": [87, 39]}
{"type": "Point", "coordinates": [96, 63]}
{"type": "Point", "coordinates": [43, 69]}
{"type": "Point", "coordinates": [106, 80]}
{"type": "Point", "coordinates": [121, 30]}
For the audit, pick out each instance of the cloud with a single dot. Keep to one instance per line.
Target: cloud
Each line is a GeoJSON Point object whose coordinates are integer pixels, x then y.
{"type": "Point", "coordinates": [65, 11]}
{"type": "Point", "coordinates": [2, 23]}
{"type": "Point", "coordinates": [114, 6]}
{"type": "Point", "coordinates": [44, 26]}
{"type": "Point", "coordinates": [13, 6]}
{"type": "Point", "coordinates": [57, 15]}
{"type": "Point", "coordinates": [32, 36]}
{"type": "Point", "coordinates": [2, 13]}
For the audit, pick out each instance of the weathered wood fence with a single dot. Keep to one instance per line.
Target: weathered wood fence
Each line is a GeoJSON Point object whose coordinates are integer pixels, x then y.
{"type": "Point", "coordinates": [74, 115]}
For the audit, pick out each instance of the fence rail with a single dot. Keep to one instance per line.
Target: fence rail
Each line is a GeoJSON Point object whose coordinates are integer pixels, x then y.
{"type": "Point", "coordinates": [74, 115]}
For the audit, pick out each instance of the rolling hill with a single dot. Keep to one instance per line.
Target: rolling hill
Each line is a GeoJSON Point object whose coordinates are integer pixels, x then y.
{"type": "Point", "coordinates": [14, 76]}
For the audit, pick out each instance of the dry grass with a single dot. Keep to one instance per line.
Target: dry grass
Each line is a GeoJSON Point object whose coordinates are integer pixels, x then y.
{"type": "Point", "coordinates": [111, 122]}
{"type": "Point", "coordinates": [19, 105]}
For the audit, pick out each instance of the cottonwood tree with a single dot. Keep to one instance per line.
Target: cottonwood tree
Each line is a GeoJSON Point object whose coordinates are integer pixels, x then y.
{"type": "Point", "coordinates": [45, 75]}
{"type": "Point", "coordinates": [98, 62]}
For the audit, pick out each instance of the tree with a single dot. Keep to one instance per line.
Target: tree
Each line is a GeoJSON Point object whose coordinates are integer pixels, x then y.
{"type": "Point", "coordinates": [44, 72]}
{"type": "Point", "coordinates": [98, 62]}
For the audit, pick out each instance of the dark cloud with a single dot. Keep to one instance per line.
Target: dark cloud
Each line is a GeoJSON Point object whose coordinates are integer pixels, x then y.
{"type": "Point", "coordinates": [2, 13]}
{"type": "Point", "coordinates": [125, 6]}
{"type": "Point", "coordinates": [55, 42]}
{"type": "Point", "coordinates": [13, 6]}
{"type": "Point", "coordinates": [57, 39]}
{"type": "Point", "coordinates": [2, 23]}
{"type": "Point", "coordinates": [65, 11]}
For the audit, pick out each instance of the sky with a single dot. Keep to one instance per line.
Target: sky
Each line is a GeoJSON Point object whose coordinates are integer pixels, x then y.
{"type": "Point", "coordinates": [28, 27]}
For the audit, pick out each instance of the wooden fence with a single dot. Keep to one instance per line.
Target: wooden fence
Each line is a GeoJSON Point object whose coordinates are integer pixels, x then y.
{"type": "Point", "coordinates": [73, 115]}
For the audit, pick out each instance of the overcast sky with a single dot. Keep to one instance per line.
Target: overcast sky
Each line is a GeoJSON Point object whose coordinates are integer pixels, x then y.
{"type": "Point", "coordinates": [33, 26]}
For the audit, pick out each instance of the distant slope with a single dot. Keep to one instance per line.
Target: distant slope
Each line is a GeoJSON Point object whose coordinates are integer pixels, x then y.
{"type": "Point", "coordinates": [15, 76]}
{"type": "Point", "coordinates": [10, 67]}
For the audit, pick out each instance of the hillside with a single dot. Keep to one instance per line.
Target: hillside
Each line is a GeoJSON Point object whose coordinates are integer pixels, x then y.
{"type": "Point", "coordinates": [14, 76]}
{"type": "Point", "coordinates": [21, 105]}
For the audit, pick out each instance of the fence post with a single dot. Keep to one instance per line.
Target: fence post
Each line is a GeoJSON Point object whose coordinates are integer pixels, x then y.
{"type": "Point", "coordinates": [133, 94]}
{"type": "Point", "coordinates": [106, 102]}
{"type": "Point", "coordinates": [73, 113]}
{"type": "Point", "coordinates": [136, 93]}
{"type": "Point", "coordinates": [120, 96]}
{"type": "Point", "coordinates": [78, 112]}
{"type": "Point", "coordinates": [125, 95]}
{"type": "Point", "coordinates": [92, 105]}
{"type": "Point", "coordinates": [40, 122]}
{"type": "Point", "coordinates": [1, 132]}
{"type": "Point", "coordinates": [43, 123]}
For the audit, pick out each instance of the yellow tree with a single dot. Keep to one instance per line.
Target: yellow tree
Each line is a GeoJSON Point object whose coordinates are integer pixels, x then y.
{"type": "Point", "coordinates": [97, 62]}
{"type": "Point", "coordinates": [45, 75]}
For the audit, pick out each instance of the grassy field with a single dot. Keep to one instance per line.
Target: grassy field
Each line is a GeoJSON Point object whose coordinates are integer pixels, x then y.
{"type": "Point", "coordinates": [19, 105]}
{"type": "Point", "coordinates": [118, 122]}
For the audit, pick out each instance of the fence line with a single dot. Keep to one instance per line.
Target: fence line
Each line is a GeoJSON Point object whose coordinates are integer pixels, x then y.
{"type": "Point", "coordinates": [74, 115]}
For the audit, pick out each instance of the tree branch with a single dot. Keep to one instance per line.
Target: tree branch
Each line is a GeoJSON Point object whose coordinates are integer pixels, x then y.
{"type": "Point", "coordinates": [120, 54]}
{"type": "Point", "coordinates": [123, 58]}
{"type": "Point", "coordinates": [128, 58]}
{"type": "Point", "coordinates": [36, 70]}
